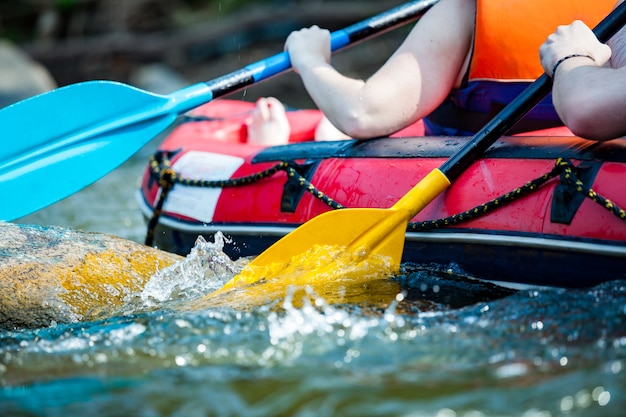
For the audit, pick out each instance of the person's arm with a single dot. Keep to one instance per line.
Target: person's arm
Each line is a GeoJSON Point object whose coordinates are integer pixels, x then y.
{"type": "Point", "coordinates": [589, 96]}
{"type": "Point", "coordinates": [411, 84]}
{"type": "Point", "coordinates": [592, 100]}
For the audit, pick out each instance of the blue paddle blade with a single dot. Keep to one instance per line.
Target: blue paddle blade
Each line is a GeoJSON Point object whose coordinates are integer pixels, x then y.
{"type": "Point", "coordinates": [59, 142]}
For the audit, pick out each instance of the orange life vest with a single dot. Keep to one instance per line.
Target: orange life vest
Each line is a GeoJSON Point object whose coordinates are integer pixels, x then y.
{"type": "Point", "coordinates": [505, 59]}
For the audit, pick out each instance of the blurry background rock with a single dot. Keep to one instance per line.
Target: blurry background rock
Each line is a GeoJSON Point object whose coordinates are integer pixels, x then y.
{"type": "Point", "coordinates": [161, 44]}
{"type": "Point", "coordinates": [20, 76]}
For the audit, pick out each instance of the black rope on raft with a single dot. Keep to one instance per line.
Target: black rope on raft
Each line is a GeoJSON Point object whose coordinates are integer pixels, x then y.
{"type": "Point", "coordinates": [161, 171]}
{"type": "Point", "coordinates": [563, 167]}
{"type": "Point", "coordinates": [568, 175]}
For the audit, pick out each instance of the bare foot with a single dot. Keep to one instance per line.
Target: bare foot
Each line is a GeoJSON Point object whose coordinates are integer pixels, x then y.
{"type": "Point", "coordinates": [268, 124]}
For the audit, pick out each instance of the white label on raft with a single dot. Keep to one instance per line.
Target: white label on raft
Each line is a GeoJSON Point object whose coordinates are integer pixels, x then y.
{"type": "Point", "coordinates": [200, 202]}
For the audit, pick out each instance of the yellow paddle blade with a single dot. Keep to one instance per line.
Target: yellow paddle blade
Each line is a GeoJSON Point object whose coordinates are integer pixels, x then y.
{"type": "Point", "coordinates": [356, 245]}
{"type": "Point", "coordinates": [364, 232]}
{"type": "Point", "coordinates": [333, 251]}
{"type": "Point", "coordinates": [363, 248]}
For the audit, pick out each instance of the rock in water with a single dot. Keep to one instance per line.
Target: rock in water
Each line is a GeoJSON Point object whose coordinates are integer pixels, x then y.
{"type": "Point", "coordinates": [55, 275]}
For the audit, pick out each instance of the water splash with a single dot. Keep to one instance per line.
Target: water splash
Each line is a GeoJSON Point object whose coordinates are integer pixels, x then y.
{"type": "Point", "coordinates": [203, 271]}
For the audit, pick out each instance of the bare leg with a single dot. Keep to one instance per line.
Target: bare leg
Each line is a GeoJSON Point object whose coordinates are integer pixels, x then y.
{"type": "Point", "coordinates": [327, 131]}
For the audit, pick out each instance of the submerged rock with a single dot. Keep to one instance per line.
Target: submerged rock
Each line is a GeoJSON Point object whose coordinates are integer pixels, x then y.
{"type": "Point", "coordinates": [54, 275]}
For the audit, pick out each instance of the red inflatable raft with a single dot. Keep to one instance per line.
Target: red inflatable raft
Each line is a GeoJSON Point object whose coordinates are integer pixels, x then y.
{"type": "Point", "coordinates": [542, 209]}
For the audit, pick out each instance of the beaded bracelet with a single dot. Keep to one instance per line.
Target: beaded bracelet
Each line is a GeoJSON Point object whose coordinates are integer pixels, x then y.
{"type": "Point", "coordinates": [560, 61]}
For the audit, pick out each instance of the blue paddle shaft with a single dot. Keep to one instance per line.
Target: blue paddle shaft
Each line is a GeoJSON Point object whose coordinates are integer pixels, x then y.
{"type": "Point", "coordinates": [198, 94]}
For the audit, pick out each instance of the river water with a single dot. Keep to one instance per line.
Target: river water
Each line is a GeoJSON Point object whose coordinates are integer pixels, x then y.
{"type": "Point", "coordinates": [534, 352]}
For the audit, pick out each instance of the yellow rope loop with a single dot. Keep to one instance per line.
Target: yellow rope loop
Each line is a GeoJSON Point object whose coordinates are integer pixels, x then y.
{"type": "Point", "coordinates": [311, 189]}
{"type": "Point", "coordinates": [562, 163]}
{"type": "Point", "coordinates": [167, 178]}
{"type": "Point", "coordinates": [570, 176]}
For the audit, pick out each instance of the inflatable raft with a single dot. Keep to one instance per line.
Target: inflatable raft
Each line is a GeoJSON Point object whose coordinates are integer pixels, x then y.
{"type": "Point", "coordinates": [543, 209]}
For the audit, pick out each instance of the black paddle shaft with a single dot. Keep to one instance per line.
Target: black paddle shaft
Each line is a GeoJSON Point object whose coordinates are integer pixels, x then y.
{"type": "Point", "coordinates": [521, 105]}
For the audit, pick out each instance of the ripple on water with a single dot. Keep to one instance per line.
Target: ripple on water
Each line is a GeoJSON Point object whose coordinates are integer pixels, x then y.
{"type": "Point", "coordinates": [491, 352]}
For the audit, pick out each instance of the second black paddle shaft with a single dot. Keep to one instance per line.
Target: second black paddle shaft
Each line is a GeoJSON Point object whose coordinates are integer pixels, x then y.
{"type": "Point", "coordinates": [521, 105]}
